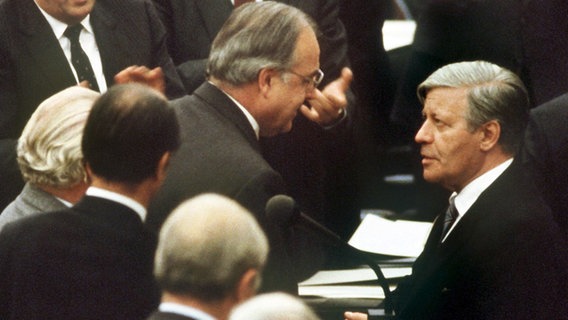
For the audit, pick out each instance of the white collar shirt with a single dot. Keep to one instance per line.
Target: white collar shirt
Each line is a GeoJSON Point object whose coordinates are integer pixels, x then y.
{"type": "Point", "coordinates": [88, 43]}
{"type": "Point", "coordinates": [116, 197]}
{"type": "Point", "coordinates": [469, 194]}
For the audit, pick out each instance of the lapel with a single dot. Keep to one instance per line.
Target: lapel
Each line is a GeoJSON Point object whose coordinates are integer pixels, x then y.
{"type": "Point", "coordinates": [42, 46]}
{"type": "Point", "coordinates": [214, 13]}
{"type": "Point", "coordinates": [440, 253]}
{"type": "Point", "coordinates": [218, 100]}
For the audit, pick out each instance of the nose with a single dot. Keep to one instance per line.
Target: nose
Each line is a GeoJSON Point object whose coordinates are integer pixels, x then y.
{"type": "Point", "coordinates": [423, 135]}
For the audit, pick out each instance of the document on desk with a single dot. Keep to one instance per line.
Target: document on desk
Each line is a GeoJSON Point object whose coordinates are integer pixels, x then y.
{"type": "Point", "coordinates": [349, 283]}
{"type": "Point", "coordinates": [402, 238]}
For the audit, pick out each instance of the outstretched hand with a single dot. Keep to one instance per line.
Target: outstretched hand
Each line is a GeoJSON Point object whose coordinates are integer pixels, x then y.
{"type": "Point", "coordinates": [328, 105]}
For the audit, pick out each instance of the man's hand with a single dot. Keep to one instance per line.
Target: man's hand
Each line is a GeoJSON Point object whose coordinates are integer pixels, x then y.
{"type": "Point", "coordinates": [355, 316]}
{"type": "Point", "coordinates": [153, 78]}
{"type": "Point", "coordinates": [327, 106]}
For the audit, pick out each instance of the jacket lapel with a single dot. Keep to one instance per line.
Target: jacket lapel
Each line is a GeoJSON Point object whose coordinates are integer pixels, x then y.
{"type": "Point", "coordinates": [43, 47]}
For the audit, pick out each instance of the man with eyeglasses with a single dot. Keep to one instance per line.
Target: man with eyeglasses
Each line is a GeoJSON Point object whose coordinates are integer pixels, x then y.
{"type": "Point", "coordinates": [257, 84]}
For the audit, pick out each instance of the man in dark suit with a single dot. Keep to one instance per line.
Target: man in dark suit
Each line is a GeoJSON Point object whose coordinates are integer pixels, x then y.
{"type": "Point", "coordinates": [35, 58]}
{"type": "Point", "coordinates": [95, 260]}
{"type": "Point", "coordinates": [545, 152]}
{"type": "Point", "coordinates": [257, 84]}
{"type": "Point", "coordinates": [497, 253]}
{"type": "Point", "coordinates": [319, 165]}
{"type": "Point", "coordinates": [202, 270]}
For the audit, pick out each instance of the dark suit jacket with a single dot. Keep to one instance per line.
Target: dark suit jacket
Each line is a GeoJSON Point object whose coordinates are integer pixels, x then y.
{"type": "Point", "coordinates": [545, 152]}
{"type": "Point", "coordinates": [316, 164]}
{"type": "Point", "coordinates": [33, 65]}
{"type": "Point", "coordinates": [93, 261]}
{"type": "Point", "coordinates": [220, 153]}
{"type": "Point", "coordinates": [505, 259]}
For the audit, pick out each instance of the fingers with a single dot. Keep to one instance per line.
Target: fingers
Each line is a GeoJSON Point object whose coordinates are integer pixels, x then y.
{"type": "Point", "coordinates": [355, 316]}
{"type": "Point", "coordinates": [142, 74]}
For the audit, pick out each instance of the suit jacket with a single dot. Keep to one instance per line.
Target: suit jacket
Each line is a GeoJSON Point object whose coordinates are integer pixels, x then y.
{"type": "Point", "coordinates": [92, 261]}
{"type": "Point", "coordinates": [220, 153]}
{"type": "Point", "coordinates": [34, 67]}
{"type": "Point", "coordinates": [316, 164]}
{"type": "Point", "coordinates": [505, 259]}
{"type": "Point", "coordinates": [545, 152]}
{"type": "Point", "coordinates": [32, 200]}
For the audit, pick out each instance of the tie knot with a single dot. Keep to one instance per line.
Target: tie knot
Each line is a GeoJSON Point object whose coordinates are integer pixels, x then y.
{"type": "Point", "coordinates": [72, 32]}
{"type": "Point", "coordinates": [453, 210]}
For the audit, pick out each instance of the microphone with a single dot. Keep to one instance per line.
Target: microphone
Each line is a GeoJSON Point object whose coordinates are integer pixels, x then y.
{"type": "Point", "coordinates": [284, 211]}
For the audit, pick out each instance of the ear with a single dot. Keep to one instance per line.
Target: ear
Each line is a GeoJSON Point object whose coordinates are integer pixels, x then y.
{"type": "Point", "coordinates": [490, 133]}
{"type": "Point", "coordinates": [246, 288]}
{"type": "Point", "coordinates": [163, 166]}
{"type": "Point", "coordinates": [266, 79]}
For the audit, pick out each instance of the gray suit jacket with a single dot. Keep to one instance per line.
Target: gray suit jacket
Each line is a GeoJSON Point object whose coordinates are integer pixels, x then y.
{"type": "Point", "coordinates": [31, 200]}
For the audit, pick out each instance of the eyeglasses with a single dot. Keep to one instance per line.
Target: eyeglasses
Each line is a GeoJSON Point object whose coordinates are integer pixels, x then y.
{"type": "Point", "coordinates": [312, 81]}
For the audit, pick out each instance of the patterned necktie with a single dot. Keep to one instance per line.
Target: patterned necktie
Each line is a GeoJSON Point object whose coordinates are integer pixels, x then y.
{"type": "Point", "coordinates": [241, 2]}
{"type": "Point", "coordinates": [449, 218]}
{"type": "Point", "coordinates": [79, 58]}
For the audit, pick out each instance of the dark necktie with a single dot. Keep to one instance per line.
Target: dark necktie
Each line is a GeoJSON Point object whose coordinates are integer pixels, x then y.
{"type": "Point", "coordinates": [449, 218]}
{"type": "Point", "coordinates": [79, 58]}
{"type": "Point", "coordinates": [241, 2]}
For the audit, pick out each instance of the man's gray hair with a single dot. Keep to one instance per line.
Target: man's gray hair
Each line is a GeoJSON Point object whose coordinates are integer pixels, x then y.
{"type": "Point", "coordinates": [256, 36]}
{"type": "Point", "coordinates": [495, 93]}
{"type": "Point", "coordinates": [205, 247]}
{"type": "Point", "coordinates": [49, 149]}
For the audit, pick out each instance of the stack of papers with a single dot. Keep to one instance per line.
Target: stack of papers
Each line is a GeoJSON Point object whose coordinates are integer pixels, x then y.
{"type": "Point", "coordinates": [351, 283]}
{"type": "Point", "coordinates": [375, 234]}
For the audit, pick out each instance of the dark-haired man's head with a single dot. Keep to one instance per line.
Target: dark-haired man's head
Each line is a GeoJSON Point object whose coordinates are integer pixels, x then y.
{"type": "Point", "coordinates": [129, 131]}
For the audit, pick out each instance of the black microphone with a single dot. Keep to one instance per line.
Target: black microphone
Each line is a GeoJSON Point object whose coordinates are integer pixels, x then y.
{"type": "Point", "coordinates": [284, 211]}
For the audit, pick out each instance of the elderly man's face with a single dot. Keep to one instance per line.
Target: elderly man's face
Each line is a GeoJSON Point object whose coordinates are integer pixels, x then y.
{"type": "Point", "coordinates": [291, 88]}
{"type": "Point", "coordinates": [67, 11]}
{"type": "Point", "coordinates": [451, 153]}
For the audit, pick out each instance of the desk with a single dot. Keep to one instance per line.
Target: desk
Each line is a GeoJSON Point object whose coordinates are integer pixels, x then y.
{"type": "Point", "coordinates": [332, 292]}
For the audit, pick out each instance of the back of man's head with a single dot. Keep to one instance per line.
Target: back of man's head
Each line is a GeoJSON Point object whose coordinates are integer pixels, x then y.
{"type": "Point", "coordinates": [49, 149]}
{"type": "Point", "coordinates": [494, 93]}
{"type": "Point", "coordinates": [273, 306]}
{"type": "Point", "coordinates": [206, 246]}
{"type": "Point", "coordinates": [256, 36]}
{"type": "Point", "coordinates": [130, 128]}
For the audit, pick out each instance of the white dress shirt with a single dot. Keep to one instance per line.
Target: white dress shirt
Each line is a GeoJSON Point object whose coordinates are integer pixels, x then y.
{"type": "Point", "coordinates": [116, 197]}
{"type": "Point", "coordinates": [468, 195]}
{"type": "Point", "coordinates": [88, 43]}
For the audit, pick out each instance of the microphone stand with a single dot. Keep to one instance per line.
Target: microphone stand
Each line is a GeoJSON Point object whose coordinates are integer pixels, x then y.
{"type": "Point", "coordinates": [357, 254]}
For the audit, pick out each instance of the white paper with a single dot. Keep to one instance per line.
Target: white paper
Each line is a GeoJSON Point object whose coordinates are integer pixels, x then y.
{"type": "Point", "coordinates": [353, 275]}
{"type": "Point", "coordinates": [396, 238]}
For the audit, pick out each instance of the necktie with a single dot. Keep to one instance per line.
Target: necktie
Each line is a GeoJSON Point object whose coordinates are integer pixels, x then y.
{"type": "Point", "coordinates": [241, 2]}
{"type": "Point", "coordinates": [79, 58]}
{"type": "Point", "coordinates": [449, 218]}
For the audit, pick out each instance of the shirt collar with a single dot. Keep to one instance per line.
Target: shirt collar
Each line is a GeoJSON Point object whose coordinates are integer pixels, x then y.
{"type": "Point", "coordinates": [185, 310]}
{"type": "Point", "coordinates": [247, 114]}
{"type": "Point", "coordinates": [468, 195]}
{"type": "Point", "coordinates": [59, 27]}
{"type": "Point", "coordinates": [116, 197]}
